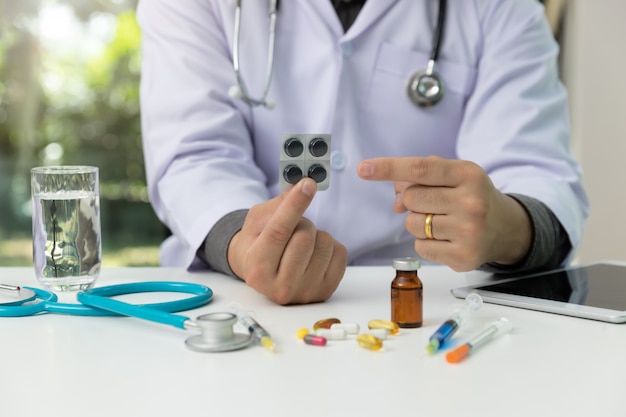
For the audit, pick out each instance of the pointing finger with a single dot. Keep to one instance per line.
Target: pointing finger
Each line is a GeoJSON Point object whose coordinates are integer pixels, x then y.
{"type": "Point", "coordinates": [288, 214]}
{"type": "Point", "coordinates": [432, 170]}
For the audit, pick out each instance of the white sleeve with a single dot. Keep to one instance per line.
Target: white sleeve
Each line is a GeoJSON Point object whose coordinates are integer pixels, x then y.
{"type": "Point", "coordinates": [197, 148]}
{"type": "Point", "coordinates": [516, 123]}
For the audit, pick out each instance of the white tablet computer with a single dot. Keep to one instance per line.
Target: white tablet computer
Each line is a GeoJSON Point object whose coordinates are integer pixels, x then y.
{"type": "Point", "coordinates": [595, 291]}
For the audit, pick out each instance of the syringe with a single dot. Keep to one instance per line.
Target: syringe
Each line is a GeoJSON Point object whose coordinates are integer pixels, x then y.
{"type": "Point", "coordinates": [497, 328]}
{"type": "Point", "coordinates": [254, 327]}
{"type": "Point", "coordinates": [450, 326]}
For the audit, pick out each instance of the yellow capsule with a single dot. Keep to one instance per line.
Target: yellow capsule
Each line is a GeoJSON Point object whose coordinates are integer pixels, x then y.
{"type": "Point", "coordinates": [391, 327]}
{"type": "Point", "coordinates": [369, 341]}
{"type": "Point", "coordinates": [303, 331]}
{"type": "Point", "coordinates": [325, 323]}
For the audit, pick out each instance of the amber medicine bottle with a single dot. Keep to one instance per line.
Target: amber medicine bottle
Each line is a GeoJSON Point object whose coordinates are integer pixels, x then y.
{"type": "Point", "coordinates": [406, 293]}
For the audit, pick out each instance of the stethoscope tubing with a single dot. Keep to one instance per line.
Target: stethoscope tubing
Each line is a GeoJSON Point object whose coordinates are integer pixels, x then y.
{"type": "Point", "coordinates": [46, 298]}
{"type": "Point", "coordinates": [141, 312]}
{"type": "Point", "coordinates": [201, 295]}
{"type": "Point", "coordinates": [241, 90]}
{"type": "Point", "coordinates": [439, 29]}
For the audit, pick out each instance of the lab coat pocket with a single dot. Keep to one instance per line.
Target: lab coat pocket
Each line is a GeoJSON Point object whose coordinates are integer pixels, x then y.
{"type": "Point", "coordinates": [387, 108]}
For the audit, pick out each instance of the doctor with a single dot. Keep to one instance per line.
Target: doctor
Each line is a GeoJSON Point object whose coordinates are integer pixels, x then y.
{"type": "Point", "coordinates": [483, 178]}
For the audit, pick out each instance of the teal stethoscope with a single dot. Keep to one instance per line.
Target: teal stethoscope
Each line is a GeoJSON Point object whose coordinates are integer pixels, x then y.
{"type": "Point", "coordinates": [216, 329]}
{"type": "Point", "coordinates": [425, 88]}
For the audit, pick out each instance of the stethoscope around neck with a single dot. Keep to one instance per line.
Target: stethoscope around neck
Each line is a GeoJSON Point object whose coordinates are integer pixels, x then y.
{"type": "Point", "coordinates": [425, 88]}
{"type": "Point", "coordinates": [241, 90]}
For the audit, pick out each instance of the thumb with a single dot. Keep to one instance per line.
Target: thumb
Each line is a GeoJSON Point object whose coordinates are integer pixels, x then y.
{"type": "Point", "coordinates": [287, 210]}
{"type": "Point", "coordinates": [398, 204]}
{"type": "Point", "coordinates": [299, 197]}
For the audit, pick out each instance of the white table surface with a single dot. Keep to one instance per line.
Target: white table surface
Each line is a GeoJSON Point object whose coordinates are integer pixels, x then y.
{"type": "Point", "coordinates": [549, 365]}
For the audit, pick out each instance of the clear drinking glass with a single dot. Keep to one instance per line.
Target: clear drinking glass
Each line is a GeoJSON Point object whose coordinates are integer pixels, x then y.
{"type": "Point", "coordinates": [67, 250]}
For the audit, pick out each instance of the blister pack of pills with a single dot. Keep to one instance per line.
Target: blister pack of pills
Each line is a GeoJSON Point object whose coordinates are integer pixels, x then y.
{"type": "Point", "coordinates": [305, 155]}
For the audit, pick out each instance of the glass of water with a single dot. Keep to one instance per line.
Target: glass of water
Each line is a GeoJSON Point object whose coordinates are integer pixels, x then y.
{"type": "Point", "coordinates": [67, 250]}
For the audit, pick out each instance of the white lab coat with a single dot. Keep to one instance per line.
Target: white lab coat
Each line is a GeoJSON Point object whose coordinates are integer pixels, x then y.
{"type": "Point", "coordinates": [208, 154]}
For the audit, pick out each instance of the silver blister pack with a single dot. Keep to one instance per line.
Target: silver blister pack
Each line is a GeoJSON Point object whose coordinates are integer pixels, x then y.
{"type": "Point", "coordinates": [304, 155]}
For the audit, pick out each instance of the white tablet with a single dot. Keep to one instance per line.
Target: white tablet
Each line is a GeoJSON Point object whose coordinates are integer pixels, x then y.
{"type": "Point", "coordinates": [595, 291]}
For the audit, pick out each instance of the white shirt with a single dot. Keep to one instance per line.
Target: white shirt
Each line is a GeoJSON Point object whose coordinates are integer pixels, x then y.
{"type": "Point", "coordinates": [208, 154]}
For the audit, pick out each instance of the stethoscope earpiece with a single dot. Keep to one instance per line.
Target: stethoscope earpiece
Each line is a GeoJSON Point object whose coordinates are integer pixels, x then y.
{"type": "Point", "coordinates": [235, 92]}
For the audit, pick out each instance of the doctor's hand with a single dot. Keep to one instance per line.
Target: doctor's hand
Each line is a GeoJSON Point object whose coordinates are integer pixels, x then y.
{"type": "Point", "coordinates": [282, 255]}
{"type": "Point", "coordinates": [472, 223]}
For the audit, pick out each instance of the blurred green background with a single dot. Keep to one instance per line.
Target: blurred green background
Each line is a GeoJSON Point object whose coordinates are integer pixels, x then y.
{"type": "Point", "coordinates": [69, 95]}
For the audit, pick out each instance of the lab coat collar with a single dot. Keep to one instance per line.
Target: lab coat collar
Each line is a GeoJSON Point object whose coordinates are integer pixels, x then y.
{"type": "Point", "coordinates": [372, 10]}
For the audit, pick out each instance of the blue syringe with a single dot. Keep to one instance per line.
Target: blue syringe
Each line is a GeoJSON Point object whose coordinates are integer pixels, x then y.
{"type": "Point", "coordinates": [450, 326]}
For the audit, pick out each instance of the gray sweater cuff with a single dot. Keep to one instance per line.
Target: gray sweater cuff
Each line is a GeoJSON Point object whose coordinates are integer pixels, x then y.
{"type": "Point", "coordinates": [214, 251]}
{"type": "Point", "coordinates": [549, 248]}
{"type": "Point", "coordinates": [550, 243]}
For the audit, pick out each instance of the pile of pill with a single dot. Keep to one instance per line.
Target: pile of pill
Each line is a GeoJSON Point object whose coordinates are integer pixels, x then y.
{"type": "Point", "coordinates": [333, 329]}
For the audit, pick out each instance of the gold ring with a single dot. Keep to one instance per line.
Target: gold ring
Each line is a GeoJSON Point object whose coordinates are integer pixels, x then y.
{"type": "Point", "coordinates": [428, 226]}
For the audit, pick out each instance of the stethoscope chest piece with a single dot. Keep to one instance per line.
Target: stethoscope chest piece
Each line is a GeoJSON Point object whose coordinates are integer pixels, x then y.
{"type": "Point", "coordinates": [217, 334]}
{"type": "Point", "coordinates": [425, 88]}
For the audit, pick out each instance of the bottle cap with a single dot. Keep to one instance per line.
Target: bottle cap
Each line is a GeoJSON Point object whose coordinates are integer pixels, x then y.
{"type": "Point", "coordinates": [406, 264]}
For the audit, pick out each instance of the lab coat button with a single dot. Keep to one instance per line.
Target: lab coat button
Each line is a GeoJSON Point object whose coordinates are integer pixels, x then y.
{"type": "Point", "coordinates": [347, 48]}
{"type": "Point", "coordinates": [338, 160]}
